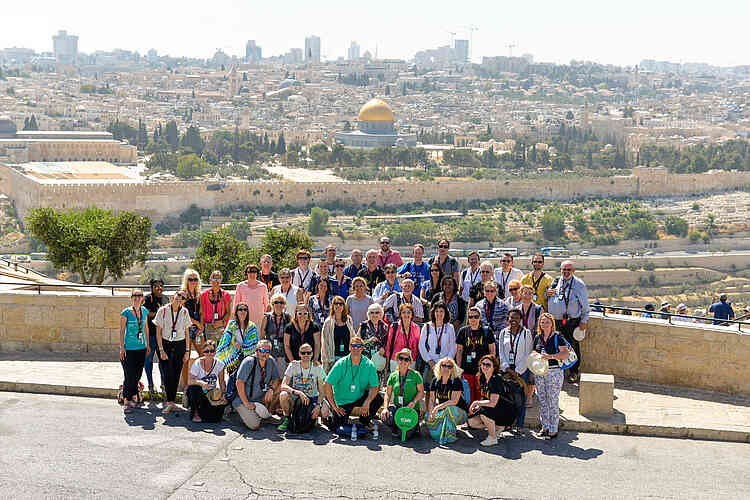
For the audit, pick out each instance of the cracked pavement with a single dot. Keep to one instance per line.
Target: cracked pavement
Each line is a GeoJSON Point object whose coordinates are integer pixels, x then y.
{"type": "Point", "coordinates": [66, 447]}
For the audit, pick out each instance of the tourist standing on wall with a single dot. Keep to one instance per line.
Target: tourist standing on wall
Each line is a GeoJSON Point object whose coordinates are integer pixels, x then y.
{"type": "Point", "coordinates": [722, 310]}
{"type": "Point", "coordinates": [134, 347]}
{"type": "Point", "coordinates": [448, 264]}
{"type": "Point", "coordinates": [568, 301]}
{"type": "Point", "coordinates": [172, 323]}
{"type": "Point", "coordinates": [153, 302]}
{"type": "Point", "coordinates": [470, 276]}
{"type": "Point", "coordinates": [386, 255]}
{"type": "Point", "coordinates": [191, 287]}
{"type": "Point", "coordinates": [215, 308]}
{"type": "Point", "coordinates": [505, 274]}
{"type": "Point", "coordinates": [538, 280]}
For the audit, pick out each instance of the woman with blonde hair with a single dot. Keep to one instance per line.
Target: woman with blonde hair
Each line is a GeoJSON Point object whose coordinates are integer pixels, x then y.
{"type": "Point", "coordinates": [446, 408]}
{"type": "Point", "coordinates": [553, 347]}
{"type": "Point", "coordinates": [338, 328]}
{"type": "Point", "coordinates": [273, 326]}
{"type": "Point", "coordinates": [191, 288]}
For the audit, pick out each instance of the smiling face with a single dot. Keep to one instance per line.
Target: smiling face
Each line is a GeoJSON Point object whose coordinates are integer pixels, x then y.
{"type": "Point", "coordinates": [357, 258]}
{"type": "Point", "coordinates": [473, 260]}
{"type": "Point", "coordinates": [545, 324]}
{"type": "Point", "coordinates": [266, 262]}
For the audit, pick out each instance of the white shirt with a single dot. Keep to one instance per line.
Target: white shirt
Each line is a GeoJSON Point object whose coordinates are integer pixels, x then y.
{"type": "Point", "coordinates": [211, 377]}
{"type": "Point", "coordinates": [429, 338]}
{"type": "Point", "coordinates": [518, 355]}
{"type": "Point", "coordinates": [503, 279]}
{"type": "Point", "coordinates": [290, 296]}
{"type": "Point", "coordinates": [305, 379]}
{"type": "Point", "coordinates": [302, 278]}
{"type": "Point", "coordinates": [169, 331]}
{"type": "Point", "coordinates": [469, 278]}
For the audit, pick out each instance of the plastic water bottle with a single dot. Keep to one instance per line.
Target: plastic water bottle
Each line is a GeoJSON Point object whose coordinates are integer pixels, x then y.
{"type": "Point", "coordinates": [354, 432]}
{"type": "Point", "coordinates": [375, 433]}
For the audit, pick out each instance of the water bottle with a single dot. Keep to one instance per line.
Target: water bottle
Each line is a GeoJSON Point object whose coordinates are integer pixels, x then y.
{"type": "Point", "coordinates": [354, 432]}
{"type": "Point", "coordinates": [375, 434]}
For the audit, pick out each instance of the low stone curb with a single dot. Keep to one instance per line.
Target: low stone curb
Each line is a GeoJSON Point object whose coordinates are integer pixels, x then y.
{"type": "Point", "coordinates": [588, 426]}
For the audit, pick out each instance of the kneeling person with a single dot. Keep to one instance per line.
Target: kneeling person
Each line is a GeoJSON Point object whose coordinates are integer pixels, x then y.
{"type": "Point", "coordinates": [352, 384]}
{"type": "Point", "coordinates": [404, 389]}
{"type": "Point", "coordinates": [302, 381]}
{"type": "Point", "coordinates": [257, 386]}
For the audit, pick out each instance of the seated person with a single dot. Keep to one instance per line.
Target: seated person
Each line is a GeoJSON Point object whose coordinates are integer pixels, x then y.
{"type": "Point", "coordinates": [446, 408]}
{"type": "Point", "coordinates": [403, 388]}
{"type": "Point", "coordinates": [302, 381]}
{"type": "Point", "coordinates": [487, 411]}
{"type": "Point", "coordinates": [257, 386]}
{"type": "Point", "coordinates": [352, 384]}
{"type": "Point", "coordinates": [202, 378]}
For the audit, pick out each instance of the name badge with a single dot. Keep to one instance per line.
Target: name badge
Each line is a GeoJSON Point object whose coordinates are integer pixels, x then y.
{"type": "Point", "coordinates": [341, 348]}
{"type": "Point", "coordinates": [401, 401]}
{"type": "Point", "coordinates": [473, 354]}
{"type": "Point", "coordinates": [216, 316]}
{"type": "Point", "coordinates": [353, 388]}
{"type": "Point", "coordinates": [276, 343]}
{"type": "Point", "coordinates": [511, 357]}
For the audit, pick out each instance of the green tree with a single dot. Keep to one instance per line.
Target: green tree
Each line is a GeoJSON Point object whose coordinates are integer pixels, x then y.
{"type": "Point", "coordinates": [642, 229]}
{"type": "Point", "coordinates": [159, 272]}
{"type": "Point", "coordinates": [711, 228]}
{"type": "Point", "coordinates": [241, 230]}
{"type": "Point", "coordinates": [221, 250]}
{"type": "Point", "coordinates": [171, 134]}
{"type": "Point", "coordinates": [318, 221]}
{"type": "Point", "coordinates": [283, 244]}
{"type": "Point", "coordinates": [676, 226]}
{"type": "Point", "coordinates": [553, 224]}
{"type": "Point", "coordinates": [193, 141]}
{"type": "Point", "coordinates": [189, 166]}
{"type": "Point", "coordinates": [94, 242]}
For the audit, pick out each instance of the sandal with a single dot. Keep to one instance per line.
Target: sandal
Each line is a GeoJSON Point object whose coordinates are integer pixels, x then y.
{"type": "Point", "coordinates": [197, 419]}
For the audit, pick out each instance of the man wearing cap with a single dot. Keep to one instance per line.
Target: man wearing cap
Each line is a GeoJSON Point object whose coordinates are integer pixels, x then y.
{"type": "Point", "coordinates": [681, 311]}
{"type": "Point", "coordinates": [648, 307]}
{"type": "Point", "coordinates": [722, 310]}
{"type": "Point", "coordinates": [665, 308]}
{"type": "Point", "coordinates": [153, 302]}
{"type": "Point", "coordinates": [568, 302]}
{"type": "Point", "coordinates": [352, 383]}
{"type": "Point", "coordinates": [388, 256]}
{"type": "Point", "coordinates": [257, 386]}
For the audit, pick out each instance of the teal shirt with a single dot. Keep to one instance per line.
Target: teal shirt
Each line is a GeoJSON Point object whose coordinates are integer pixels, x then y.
{"type": "Point", "coordinates": [133, 340]}
{"type": "Point", "coordinates": [350, 382]}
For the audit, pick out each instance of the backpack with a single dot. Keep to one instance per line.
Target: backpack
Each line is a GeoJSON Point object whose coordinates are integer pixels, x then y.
{"type": "Point", "coordinates": [572, 356]}
{"type": "Point", "coordinates": [301, 420]}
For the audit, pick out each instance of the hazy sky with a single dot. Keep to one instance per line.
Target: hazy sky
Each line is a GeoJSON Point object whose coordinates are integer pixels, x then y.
{"type": "Point", "coordinates": [557, 31]}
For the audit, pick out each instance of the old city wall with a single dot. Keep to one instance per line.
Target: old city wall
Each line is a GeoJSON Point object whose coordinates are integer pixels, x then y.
{"type": "Point", "coordinates": [158, 200]}
{"type": "Point", "coordinates": [649, 351]}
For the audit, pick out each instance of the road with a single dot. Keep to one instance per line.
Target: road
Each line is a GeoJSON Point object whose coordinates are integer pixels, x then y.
{"type": "Point", "coordinates": [65, 447]}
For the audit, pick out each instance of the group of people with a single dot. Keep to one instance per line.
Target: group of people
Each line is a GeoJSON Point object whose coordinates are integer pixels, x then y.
{"type": "Point", "coordinates": [333, 339]}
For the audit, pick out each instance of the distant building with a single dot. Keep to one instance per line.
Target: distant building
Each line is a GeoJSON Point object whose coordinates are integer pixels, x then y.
{"type": "Point", "coordinates": [17, 55]}
{"type": "Point", "coordinates": [221, 58]}
{"type": "Point", "coordinates": [461, 48]}
{"type": "Point", "coordinates": [353, 52]}
{"type": "Point", "coordinates": [375, 122]}
{"type": "Point", "coordinates": [253, 53]}
{"type": "Point", "coordinates": [529, 58]}
{"type": "Point", "coordinates": [65, 47]}
{"type": "Point", "coordinates": [312, 49]}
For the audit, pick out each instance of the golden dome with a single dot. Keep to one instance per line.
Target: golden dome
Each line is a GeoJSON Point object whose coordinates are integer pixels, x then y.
{"type": "Point", "coordinates": [375, 110]}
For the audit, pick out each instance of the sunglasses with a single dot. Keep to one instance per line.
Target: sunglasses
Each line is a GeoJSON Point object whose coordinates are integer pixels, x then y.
{"type": "Point", "coordinates": [488, 365]}
{"type": "Point", "coordinates": [404, 359]}
{"type": "Point", "coordinates": [355, 346]}
{"type": "Point", "coordinates": [505, 261]}
{"type": "Point", "coordinates": [443, 246]}
{"type": "Point", "coordinates": [385, 242]}
{"type": "Point", "coordinates": [278, 303]}
{"type": "Point", "coordinates": [242, 309]}
{"type": "Point", "coordinates": [338, 303]}
{"type": "Point", "coordinates": [209, 351]}
{"type": "Point", "coordinates": [486, 272]}
{"type": "Point", "coordinates": [216, 279]}
{"type": "Point", "coordinates": [566, 269]}
{"type": "Point", "coordinates": [446, 366]}
{"type": "Point", "coordinates": [137, 295]}
{"type": "Point", "coordinates": [306, 353]}
{"type": "Point", "coordinates": [491, 290]}
{"type": "Point", "coordinates": [434, 270]}
{"type": "Point", "coordinates": [537, 262]}
{"type": "Point", "coordinates": [192, 279]}
{"type": "Point", "coordinates": [252, 271]}
{"type": "Point", "coordinates": [474, 316]}
{"type": "Point", "coordinates": [390, 272]}
{"type": "Point", "coordinates": [264, 351]}
{"type": "Point", "coordinates": [301, 313]}
{"type": "Point", "coordinates": [339, 265]}
{"type": "Point", "coordinates": [373, 312]}
{"type": "Point", "coordinates": [303, 258]}
{"type": "Point", "coordinates": [179, 297]}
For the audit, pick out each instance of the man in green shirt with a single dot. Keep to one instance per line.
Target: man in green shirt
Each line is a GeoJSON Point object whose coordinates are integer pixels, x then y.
{"type": "Point", "coordinates": [404, 388]}
{"type": "Point", "coordinates": [352, 384]}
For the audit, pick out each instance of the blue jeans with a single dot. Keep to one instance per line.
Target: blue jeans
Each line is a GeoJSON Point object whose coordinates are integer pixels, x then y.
{"type": "Point", "coordinates": [150, 361]}
{"type": "Point", "coordinates": [526, 376]}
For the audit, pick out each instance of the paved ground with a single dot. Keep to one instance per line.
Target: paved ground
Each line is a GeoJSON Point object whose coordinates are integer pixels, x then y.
{"type": "Point", "coordinates": [639, 408]}
{"type": "Point", "coordinates": [66, 447]}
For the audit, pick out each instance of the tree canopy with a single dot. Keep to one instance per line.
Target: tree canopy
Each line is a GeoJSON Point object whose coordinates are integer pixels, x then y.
{"type": "Point", "coordinates": [94, 242]}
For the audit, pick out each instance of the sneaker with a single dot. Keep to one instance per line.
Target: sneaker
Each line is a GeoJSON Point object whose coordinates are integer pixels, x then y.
{"type": "Point", "coordinates": [490, 441]}
{"type": "Point", "coordinates": [167, 408]}
{"type": "Point", "coordinates": [284, 425]}
{"type": "Point", "coordinates": [197, 419]}
{"type": "Point", "coordinates": [552, 436]}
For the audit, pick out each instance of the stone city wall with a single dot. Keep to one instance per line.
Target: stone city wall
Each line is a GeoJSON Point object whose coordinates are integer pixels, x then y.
{"type": "Point", "coordinates": [158, 200]}
{"type": "Point", "coordinates": [645, 350]}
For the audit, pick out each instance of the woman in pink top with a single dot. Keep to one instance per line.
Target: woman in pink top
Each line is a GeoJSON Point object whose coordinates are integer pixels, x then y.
{"type": "Point", "coordinates": [403, 334]}
{"type": "Point", "coordinates": [254, 293]}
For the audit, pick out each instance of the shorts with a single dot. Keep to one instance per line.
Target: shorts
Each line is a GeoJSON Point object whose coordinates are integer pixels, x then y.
{"type": "Point", "coordinates": [213, 331]}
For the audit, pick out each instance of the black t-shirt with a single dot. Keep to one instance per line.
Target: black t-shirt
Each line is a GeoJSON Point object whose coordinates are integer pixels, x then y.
{"type": "Point", "coordinates": [443, 391]}
{"type": "Point", "coordinates": [549, 346]}
{"type": "Point", "coordinates": [476, 343]}
{"type": "Point", "coordinates": [494, 386]}
{"type": "Point", "coordinates": [270, 280]}
{"type": "Point", "coordinates": [296, 340]}
{"type": "Point", "coordinates": [341, 340]}
{"type": "Point", "coordinates": [193, 305]}
{"type": "Point", "coordinates": [152, 303]}
{"type": "Point", "coordinates": [372, 278]}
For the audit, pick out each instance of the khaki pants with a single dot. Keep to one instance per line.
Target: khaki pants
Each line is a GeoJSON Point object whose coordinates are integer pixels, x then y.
{"type": "Point", "coordinates": [250, 417]}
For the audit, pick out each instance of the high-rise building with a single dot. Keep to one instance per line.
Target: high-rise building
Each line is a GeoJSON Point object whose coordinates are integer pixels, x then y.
{"type": "Point", "coordinates": [253, 53]}
{"type": "Point", "coordinates": [65, 47]}
{"type": "Point", "coordinates": [353, 52]}
{"type": "Point", "coordinates": [461, 49]}
{"type": "Point", "coordinates": [312, 48]}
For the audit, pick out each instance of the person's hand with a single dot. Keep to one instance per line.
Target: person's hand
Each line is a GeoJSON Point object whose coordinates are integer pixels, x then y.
{"type": "Point", "coordinates": [249, 405]}
{"type": "Point", "coordinates": [411, 405]}
{"type": "Point", "coordinates": [162, 355]}
{"type": "Point", "coordinates": [304, 398]}
{"type": "Point", "coordinates": [381, 351]}
{"type": "Point", "coordinates": [237, 345]}
{"type": "Point", "coordinates": [384, 414]}
{"type": "Point", "coordinates": [338, 410]}
{"type": "Point", "coordinates": [550, 292]}
{"type": "Point", "coordinates": [433, 413]}
{"type": "Point", "coordinates": [474, 407]}
{"type": "Point", "coordinates": [122, 353]}
{"type": "Point", "coordinates": [186, 356]}
{"type": "Point", "coordinates": [148, 351]}
{"type": "Point", "coordinates": [364, 410]}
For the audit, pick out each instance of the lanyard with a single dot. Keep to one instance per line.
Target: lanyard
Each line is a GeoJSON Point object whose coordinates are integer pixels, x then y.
{"type": "Point", "coordinates": [215, 304]}
{"type": "Point", "coordinates": [268, 281]}
{"type": "Point", "coordinates": [504, 279]}
{"type": "Point", "coordinates": [537, 281]}
{"type": "Point", "coordinates": [139, 318]}
{"type": "Point", "coordinates": [439, 340]}
{"type": "Point", "coordinates": [174, 320]}
{"type": "Point", "coordinates": [489, 313]}
{"type": "Point", "coordinates": [277, 324]}
{"type": "Point", "coordinates": [472, 276]}
{"type": "Point", "coordinates": [286, 294]}
{"type": "Point", "coordinates": [302, 280]}
{"type": "Point", "coordinates": [514, 342]}
{"type": "Point", "coordinates": [567, 298]}
{"type": "Point", "coordinates": [242, 332]}
{"type": "Point", "coordinates": [475, 341]}
{"type": "Point", "coordinates": [526, 315]}
{"type": "Point", "coordinates": [401, 384]}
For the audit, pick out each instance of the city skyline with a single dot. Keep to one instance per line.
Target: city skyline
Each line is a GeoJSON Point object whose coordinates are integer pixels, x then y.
{"type": "Point", "coordinates": [668, 31]}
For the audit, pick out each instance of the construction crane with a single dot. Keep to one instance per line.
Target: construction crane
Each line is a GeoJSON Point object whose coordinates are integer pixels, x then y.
{"type": "Point", "coordinates": [471, 28]}
{"type": "Point", "coordinates": [511, 46]}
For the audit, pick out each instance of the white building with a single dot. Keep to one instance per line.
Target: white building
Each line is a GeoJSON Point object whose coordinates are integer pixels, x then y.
{"type": "Point", "coordinates": [65, 46]}
{"type": "Point", "coordinates": [312, 49]}
{"type": "Point", "coordinates": [353, 52]}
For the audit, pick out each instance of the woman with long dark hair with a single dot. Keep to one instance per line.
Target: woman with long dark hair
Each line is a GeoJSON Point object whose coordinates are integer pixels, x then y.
{"type": "Point", "coordinates": [239, 340]}
{"type": "Point", "coordinates": [432, 286]}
